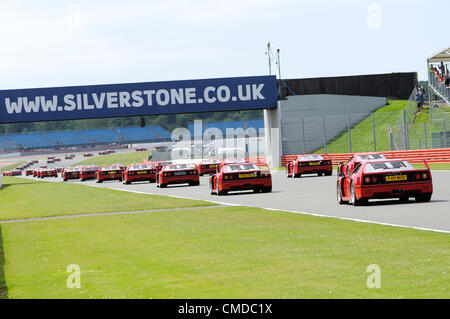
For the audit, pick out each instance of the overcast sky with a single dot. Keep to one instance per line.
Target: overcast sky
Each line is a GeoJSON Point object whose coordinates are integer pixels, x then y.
{"type": "Point", "coordinates": [58, 43]}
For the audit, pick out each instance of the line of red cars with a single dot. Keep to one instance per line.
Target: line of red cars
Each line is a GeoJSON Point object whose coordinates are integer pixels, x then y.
{"type": "Point", "coordinates": [229, 175]}
{"type": "Point", "coordinates": [363, 177]}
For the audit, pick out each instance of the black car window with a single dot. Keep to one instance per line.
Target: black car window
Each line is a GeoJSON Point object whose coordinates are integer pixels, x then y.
{"type": "Point", "coordinates": [356, 169]}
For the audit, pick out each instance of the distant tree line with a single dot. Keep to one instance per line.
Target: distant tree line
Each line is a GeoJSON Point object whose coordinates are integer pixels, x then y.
{"type": "Point", "coordinates": [168, 122]}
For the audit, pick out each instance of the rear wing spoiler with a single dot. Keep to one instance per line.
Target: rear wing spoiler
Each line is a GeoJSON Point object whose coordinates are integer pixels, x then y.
{"type": "Point", "coordinates": [417, 161]}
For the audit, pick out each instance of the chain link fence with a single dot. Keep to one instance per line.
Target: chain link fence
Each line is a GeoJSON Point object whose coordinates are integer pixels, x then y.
{"type": "Point", "coordinates": [390, 128]}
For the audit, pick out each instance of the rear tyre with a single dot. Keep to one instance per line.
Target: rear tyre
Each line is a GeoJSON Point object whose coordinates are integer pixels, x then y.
{"type": "Point", "coordinates": [221, 192]}
{"type": "Point", "coordinates": [339, 195]}
{"type": "Point", "coordinates": [329, 173]}
{"type": "Point", "coordinates": [354, 200]}
{"type": "Point", "coordinates": [256, 190]}
{"type": "Point", "coordinates": [267, 189]}
{"type": "Point", "coordinates": [211, 190]}
{"type": "Point", "coordinates": [423, 198]}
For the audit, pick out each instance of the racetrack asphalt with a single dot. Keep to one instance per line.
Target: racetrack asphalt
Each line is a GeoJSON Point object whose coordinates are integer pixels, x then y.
{"type": "Point", "coordinates": [316, 196]}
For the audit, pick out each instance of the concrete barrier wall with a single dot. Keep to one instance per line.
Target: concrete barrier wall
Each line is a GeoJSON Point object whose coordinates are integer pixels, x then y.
{"type": "Point", "coordinates": [9, 155]}
{"type": "Point", "coordinates": [304, 118]}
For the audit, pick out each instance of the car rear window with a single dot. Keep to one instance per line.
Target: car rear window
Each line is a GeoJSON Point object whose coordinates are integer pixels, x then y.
{"type": "Point", "coordinates": [388, 166]}
{"type": "Point", "coordinates": [310, 157]}
{"type": "Point", "coordinates": [179, 166]}
{"type": "Point", "coordinates": [240, 167]}
{"type": "Point", "coordinates": [366, 157]}
{"type": "Point", "coordinates": [234, 160]}
{"type": "Point", "coordinates": [140, 167]}
{"type": "Point", "coordinates": [210, 162]}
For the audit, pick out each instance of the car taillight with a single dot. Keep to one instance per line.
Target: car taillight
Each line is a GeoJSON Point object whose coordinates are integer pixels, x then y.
{"type": "Point", "coordinates": [370, 179]}
{"type": "Point", "coordinates": [422, 176]}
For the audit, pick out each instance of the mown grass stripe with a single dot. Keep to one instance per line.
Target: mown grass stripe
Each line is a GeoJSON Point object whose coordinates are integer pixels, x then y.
{"type": "Point", "coordinates": [3, 286]}
{"type": "Point", "coordinates": [104, 214]}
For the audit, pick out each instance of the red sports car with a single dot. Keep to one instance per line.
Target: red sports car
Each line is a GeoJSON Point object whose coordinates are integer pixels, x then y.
{"type": "Point", "coordinates": [29, 172]}
{"type": "Point", "coordinates": [347, 168]}
{"type": "Point", "coordinates": [387, 178]}
{"type": "Point", "coordinates": [208, 166]}
{"type": "Point", "coordinates": [48, 172]}
{"type": "Point", "coordinates": [88, 154]}
{"type": "Point", "coordinates": [309, 164]}
{"type": "Point", "coordinates": [69, 157]}
{"type": "Point", "coordinates": [109, 173]}
{"type": "Point", "coordinates": [71, 173]}
{"type": "Point", "coordinates": [139, 173]}
{"type": "Point", "coordinates": [88, 172]}
{"type": "Point", "coordinates": [178, 174]}
{"type": "Point", "coordinates": [239, 177]}
{"type": "Point", "coordinates": [16, 172]}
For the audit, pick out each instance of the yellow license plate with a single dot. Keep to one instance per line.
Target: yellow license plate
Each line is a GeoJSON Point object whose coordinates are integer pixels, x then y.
{"type": "Point", "coordinates": [212, 166]}
{"type": "Point", "coordinates": [112, 172]}
{"type": "Point", "coordinates": [246, 175]}
{"type": "Point", "coordinates": [314, 163]}
{"type": "Point", "coordinates": [142, 172]}
{"type": "Point", "coordinates": [395, 178]}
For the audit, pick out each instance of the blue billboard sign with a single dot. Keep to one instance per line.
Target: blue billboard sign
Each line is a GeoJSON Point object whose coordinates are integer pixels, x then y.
{"type": "Point", "coordinates": [137, 99]}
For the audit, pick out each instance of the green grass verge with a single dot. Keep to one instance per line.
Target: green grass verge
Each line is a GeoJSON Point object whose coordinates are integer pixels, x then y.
{"type": "Point", "coordinates": [417, 129]}
{"type": "Point", "coordinates": [24, 198]}
{"type": "Point", "coordinates": [434, 166]}
{"type": "Point", "coordinates": [232, 252]}
{"type": "Point", "coordinates": [3, 286]}
{"type": "Point", "coordinates": [362, 133]}
{"type": "Point", "coordinates": [124, 158]}
{"type": "Point", "coordinates": [12, 166]}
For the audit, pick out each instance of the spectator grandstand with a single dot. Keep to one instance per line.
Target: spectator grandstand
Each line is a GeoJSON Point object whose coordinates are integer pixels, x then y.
{"type": "Point", "coordinates": [82, 138]}
{"type": "Point", "coordinates": [438, 74]}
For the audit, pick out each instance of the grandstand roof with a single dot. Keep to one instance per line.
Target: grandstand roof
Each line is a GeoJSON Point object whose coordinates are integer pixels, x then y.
{"type": "Point", "coordinates": [442, 56]}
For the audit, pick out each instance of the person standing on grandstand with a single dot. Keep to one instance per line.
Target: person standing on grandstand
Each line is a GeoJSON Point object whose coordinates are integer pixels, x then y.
{"type": "Point", "coordinates": [442, 68]}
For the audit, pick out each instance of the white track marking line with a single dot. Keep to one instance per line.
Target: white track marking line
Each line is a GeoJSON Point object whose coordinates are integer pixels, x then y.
{"type": "Point", "coordinates": [285, 210]}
